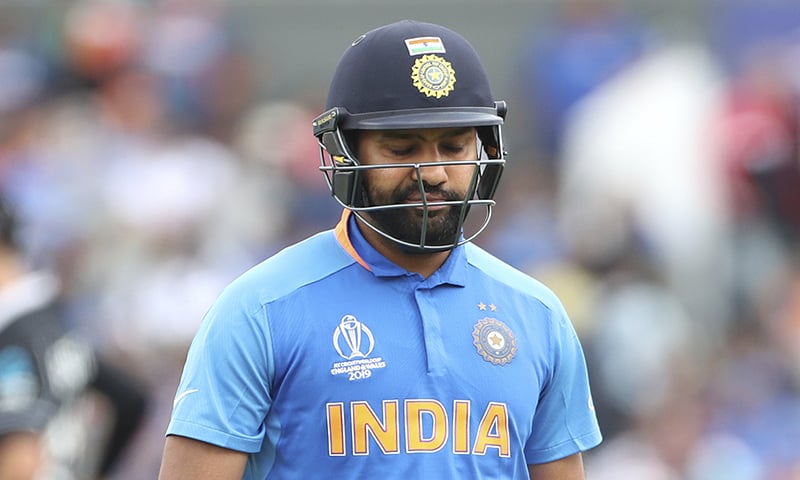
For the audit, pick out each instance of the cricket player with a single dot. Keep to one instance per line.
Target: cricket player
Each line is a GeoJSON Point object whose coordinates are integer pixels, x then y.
{"type": "Point", "coordinates": [390, 347]}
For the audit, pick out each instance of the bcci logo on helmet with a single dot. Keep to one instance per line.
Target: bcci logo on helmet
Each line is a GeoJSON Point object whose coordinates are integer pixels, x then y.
{"type": "Point", "coordinates": [433, 75]}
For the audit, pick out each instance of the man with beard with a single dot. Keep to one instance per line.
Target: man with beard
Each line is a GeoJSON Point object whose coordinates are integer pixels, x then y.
{"type": "Point", "coordinates": [390, 346]}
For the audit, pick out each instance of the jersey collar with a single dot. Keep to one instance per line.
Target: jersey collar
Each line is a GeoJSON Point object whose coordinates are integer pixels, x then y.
{"type": "Point", "coordinates": [453, 271]}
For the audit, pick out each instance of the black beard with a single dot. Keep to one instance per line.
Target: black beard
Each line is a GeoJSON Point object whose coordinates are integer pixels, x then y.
{"type": "Point", "coordinates": [444, 226]}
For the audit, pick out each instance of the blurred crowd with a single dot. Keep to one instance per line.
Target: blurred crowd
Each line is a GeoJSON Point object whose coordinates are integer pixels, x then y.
{"type": "Point", "coordinates": [655, 187]}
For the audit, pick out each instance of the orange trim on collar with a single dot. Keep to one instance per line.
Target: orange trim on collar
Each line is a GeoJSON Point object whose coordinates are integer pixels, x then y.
{"type": "Point", "coordinates": [344, 240]}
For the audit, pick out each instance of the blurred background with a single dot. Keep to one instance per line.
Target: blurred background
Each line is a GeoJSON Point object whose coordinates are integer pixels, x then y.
{"type": "Point", "coordinates": [156, 149]}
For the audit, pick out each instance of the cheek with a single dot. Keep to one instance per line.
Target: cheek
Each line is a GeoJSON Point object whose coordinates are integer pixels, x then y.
{"type": "Point", "coordinates": [460, 177]}
{"type": "Point", "coordinates": [384, 179]}
{"type": "Point", "coordinates": [378, 186]}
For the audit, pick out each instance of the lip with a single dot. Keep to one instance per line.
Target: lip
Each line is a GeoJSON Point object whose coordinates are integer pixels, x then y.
{"type": "Point", "coordinates": [429, 200]}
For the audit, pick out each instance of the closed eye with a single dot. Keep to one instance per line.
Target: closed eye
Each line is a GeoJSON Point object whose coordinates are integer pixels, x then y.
{"type": "Point", "coordinates": [401, 152]}
{"type": "Point", "coordinates": [453, 148]}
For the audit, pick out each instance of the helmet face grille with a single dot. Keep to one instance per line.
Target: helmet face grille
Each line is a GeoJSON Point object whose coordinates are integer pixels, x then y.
{"type": "Point", "coordinates": [409, 65]}
{"type": "Point", "coordinates": [344, 175]}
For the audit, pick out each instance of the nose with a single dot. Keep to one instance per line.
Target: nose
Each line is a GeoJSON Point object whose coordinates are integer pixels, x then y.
{"type": "Point", "coordinates": [429, 168]}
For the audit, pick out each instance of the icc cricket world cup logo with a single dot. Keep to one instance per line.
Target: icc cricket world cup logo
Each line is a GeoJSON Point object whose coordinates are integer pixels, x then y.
{"type": "Point", "coordinates": [352, 339]}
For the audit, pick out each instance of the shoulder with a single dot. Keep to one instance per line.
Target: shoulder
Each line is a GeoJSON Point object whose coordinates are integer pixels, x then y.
{"type": "Point", "coordinates": [511, 278]}
{"type": "Point", "coordinates": [294, 267]}
{"type": "Point", "coordinates": [33, 295]}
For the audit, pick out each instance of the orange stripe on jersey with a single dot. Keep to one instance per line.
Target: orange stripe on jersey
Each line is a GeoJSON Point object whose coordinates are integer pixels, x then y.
{"type": "Point", "coordinates": [344, 240]}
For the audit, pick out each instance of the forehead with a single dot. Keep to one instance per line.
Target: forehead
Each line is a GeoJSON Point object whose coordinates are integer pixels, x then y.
{"type": "Point", "coordinates": [419, 134]}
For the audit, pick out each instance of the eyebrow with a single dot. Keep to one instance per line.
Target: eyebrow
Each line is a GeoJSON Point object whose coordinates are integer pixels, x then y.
{"type": "Point", "coordinates": [405, 135]}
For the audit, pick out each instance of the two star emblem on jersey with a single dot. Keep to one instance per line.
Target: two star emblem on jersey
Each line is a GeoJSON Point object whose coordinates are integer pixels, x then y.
{"type": "Point", "coordinates": [431, 74]}
{"type": "Point", "coordinates": [493, 339]}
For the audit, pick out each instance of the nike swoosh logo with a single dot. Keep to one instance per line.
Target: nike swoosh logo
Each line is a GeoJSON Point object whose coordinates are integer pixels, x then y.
{"type": "Point", "coordinates": [184, 395]}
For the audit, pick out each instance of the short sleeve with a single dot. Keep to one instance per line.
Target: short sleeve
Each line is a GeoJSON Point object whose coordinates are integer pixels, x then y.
{"type": "Point", "coordinates": [565, 422]}
{"type": "Point", "coordinates": [223, 397]}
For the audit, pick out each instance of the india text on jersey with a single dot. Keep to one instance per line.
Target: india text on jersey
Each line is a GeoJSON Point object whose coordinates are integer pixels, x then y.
{"type": "Point", "coordinates": [428, 426]}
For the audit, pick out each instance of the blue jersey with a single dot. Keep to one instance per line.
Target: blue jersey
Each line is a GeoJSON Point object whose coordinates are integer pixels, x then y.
{"type": "Point", "coordinates": [329, 361]}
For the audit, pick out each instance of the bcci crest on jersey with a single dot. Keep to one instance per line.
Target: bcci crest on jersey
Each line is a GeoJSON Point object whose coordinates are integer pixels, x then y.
{"type": "Point", "coordinates": [354, 342]}
{"type": "Point", "coordinates": [494, 341]}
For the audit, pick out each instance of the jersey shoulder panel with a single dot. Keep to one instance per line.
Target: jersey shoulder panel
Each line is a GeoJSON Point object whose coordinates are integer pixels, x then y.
{"type": "Point", "coordinates": [510, 276]}
{"type": "Point", "coordinates": [293, 267]}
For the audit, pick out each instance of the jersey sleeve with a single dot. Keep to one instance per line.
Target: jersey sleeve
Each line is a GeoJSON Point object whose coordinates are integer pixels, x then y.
{"type": "Point", "coordinates": [223, 397]}
{"type": "Point", "coordinates": [22, 405]}
{"type": "Point", "coordinates": [565, 422]}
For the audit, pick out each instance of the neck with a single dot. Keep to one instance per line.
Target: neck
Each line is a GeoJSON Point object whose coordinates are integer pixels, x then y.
{"type": "Point", "coordinates": [422, 263]}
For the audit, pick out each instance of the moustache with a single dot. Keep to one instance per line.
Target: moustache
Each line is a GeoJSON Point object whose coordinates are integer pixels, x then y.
{"type": "Point", "coordinates": [413, 193]}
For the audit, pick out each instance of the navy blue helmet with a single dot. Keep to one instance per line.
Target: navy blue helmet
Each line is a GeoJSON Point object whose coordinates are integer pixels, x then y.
{"type": "Point", "coordinates": [410, 75]}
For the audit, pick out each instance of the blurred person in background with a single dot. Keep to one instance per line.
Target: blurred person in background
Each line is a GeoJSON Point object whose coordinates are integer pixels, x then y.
{"type": "Point", "coordinates": [273, 141]}
{"type": "Point", "coordinates": [755, 390]}
{"type": "Point", "coordinates": [759, 128]}
{"type": "Point", "coordinates": [147, 104]}
{"type": "Point", "coordinates": [583, 45]}
{"type": "Point", "coordinates": [641, 161]}
{"type": "Point", "coordinates": [64, 412]}
{"type": "Point", "coordinates": [707, 331]}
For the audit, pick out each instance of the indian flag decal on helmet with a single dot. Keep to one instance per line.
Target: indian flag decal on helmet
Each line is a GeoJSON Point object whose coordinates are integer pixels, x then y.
{"type": "Point", "coordinates": [420, 45]}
